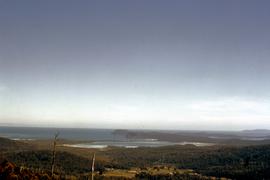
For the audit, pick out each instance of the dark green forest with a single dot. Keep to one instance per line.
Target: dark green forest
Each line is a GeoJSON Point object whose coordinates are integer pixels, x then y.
{"type": "Point", "coordinates": [251, 162]}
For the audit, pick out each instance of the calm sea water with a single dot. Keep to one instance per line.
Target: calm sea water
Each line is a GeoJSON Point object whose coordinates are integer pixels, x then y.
{"type": "Point", "coordinates": [64, 133]}
{"type": "Point", "coordinates": [101, 138]}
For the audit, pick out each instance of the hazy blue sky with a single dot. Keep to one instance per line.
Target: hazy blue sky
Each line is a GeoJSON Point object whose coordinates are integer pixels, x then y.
{"type": "Point", "coordinates": [135, 64]}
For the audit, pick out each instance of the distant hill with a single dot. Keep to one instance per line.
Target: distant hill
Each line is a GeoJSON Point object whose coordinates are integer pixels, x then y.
{"type": "Point", "coordinates": [12, 145]}
{"type": "Point", "coordinates": [256, 132]}
{"type": "Point", "coordinates": [245, 137]}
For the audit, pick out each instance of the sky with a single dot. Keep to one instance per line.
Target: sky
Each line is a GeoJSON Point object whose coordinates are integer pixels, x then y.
{"type": "Point", "coordinates": [189, 64]}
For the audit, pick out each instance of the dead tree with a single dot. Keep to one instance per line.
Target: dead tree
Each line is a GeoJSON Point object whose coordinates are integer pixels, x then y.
{"type": "Point", "coordinates": [93, 167]}
{"type": "Point", "coordinates": [54, 151]}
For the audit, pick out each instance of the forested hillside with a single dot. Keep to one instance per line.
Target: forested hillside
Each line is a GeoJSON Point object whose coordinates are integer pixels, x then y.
{"type": "Point", "coordinates": [235, 163]}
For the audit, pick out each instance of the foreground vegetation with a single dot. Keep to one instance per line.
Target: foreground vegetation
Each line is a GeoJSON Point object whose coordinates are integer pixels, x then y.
{"type": "Point", "coordinates": [171, 162]}
{"type": "Point", "coordinates": [9, 170]}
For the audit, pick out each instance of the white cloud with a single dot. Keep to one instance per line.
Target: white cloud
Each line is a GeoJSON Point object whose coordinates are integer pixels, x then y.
{"type": "Point", "coordinates": [233, 111]}
{"type": "Point", "coordinates": [220, 113]}
{"type": "Point", "coordinates": [233, 104]}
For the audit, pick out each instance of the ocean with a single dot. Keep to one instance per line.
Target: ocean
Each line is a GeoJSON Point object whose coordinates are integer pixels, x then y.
{"type": "Point", "coordinates": [98, 138]}
{"type": "Point", "coordinates": [36, 133]}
